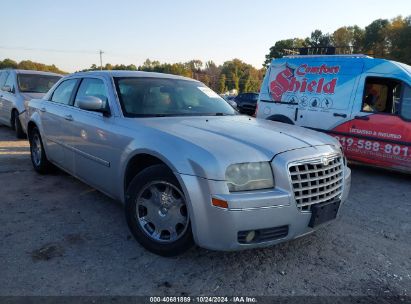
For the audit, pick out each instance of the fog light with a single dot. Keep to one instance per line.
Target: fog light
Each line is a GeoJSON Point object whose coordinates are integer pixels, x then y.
{"type": "Point", "coordinates": [250, 236]}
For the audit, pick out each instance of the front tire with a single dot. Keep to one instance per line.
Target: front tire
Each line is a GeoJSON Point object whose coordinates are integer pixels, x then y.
{"type": "Point", "coordinates": [157, 213]}
{"type": "Point", "coordinates": [38, 155]}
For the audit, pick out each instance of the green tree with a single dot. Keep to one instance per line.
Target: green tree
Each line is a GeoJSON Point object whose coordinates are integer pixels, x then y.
{"type": "Point", "coordinates": [376, 38]}
{"type": "Point", "coordinates": [212, 72]}
{"type": "Point", "coordinates": [357, 38]}
{"type": "Point", "coordinates": [241, 76]}
{"type": "Point", "coordinates": [318, 39]}
{"type": "Point", "coordinates": [222, 88]}
{"type": "Point", "coordinates": [29, 65]}
{"type": "Point", "coordinates": [399, 38]}
{"type": "Point", "coordinates": [282, 48]}
{"type": "Point", "coordinates": [351, 36]}
{"type": "Point", "coordinates": [8, 64]}
{"type": "Point", "coordinates": [342, 37]}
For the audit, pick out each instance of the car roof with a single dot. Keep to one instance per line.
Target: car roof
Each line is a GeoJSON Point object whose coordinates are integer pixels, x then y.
{"type": "Point", "coordinates": [20, 71]}
{"type": "Point", "coordinates": [125, 73]}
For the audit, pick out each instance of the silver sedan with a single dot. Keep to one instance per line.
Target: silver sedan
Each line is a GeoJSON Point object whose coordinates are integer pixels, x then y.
{"type": "Point", "coordinates": [188, 168]}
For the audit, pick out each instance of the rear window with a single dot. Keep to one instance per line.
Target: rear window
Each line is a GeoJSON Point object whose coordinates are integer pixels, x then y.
{"type": "Point", "coordinates": [36, 83]}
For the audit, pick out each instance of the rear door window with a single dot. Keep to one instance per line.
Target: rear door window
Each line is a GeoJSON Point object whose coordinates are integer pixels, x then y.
{"type": "Point", "coordinates": [62, 94]}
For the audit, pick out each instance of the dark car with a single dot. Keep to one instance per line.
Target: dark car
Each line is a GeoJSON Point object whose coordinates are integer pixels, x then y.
{"type": "Point", "coordinates": [246, 103]}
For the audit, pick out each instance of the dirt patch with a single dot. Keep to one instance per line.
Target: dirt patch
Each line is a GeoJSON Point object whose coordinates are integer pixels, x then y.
{"type": "Point", "coordinates": [47, 252]}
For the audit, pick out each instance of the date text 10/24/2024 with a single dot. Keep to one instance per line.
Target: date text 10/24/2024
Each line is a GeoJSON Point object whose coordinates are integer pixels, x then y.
{"type": "Point", "coordinates": [203, 299]}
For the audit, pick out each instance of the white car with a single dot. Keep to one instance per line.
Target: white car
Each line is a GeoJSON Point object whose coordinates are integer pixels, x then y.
{"type": "Point", "coordinates": [16, 88]}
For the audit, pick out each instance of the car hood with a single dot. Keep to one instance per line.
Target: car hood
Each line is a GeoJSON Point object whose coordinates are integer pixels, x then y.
{"type": "Point", "coordinates": [239, 138]}
{"type": "Point", "coordinates": [29, 96]}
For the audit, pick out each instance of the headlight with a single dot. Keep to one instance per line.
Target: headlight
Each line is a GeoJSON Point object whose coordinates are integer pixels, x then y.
{"type": "Point", "coordinates": [249, 176]}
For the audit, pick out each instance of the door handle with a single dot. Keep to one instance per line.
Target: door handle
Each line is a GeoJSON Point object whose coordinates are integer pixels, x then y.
{"type": "Point", "coordinates": [43, 109]}
{"type": "Point", "coordinates": [340, 115]}
{"type": "Point", "coordinates": [362, 117]}
{"type": "Point", "coordinates": [68, 117]}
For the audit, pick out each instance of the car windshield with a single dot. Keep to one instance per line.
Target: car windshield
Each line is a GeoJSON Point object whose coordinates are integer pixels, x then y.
{"type": "Point", "coordinates": [36, 83]}
{"type": "Point", "coordinates": [148, 97]}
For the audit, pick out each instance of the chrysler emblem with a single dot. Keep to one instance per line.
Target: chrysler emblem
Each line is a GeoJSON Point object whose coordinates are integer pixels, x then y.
{"type": "Point", "coordinates": [325, 161]}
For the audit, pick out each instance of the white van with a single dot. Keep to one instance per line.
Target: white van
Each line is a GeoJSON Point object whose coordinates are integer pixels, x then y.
{"type": "Point", "coordinates": [364, 102]}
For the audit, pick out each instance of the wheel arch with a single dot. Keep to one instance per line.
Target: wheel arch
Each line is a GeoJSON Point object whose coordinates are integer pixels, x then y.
{"type": "Point", "coordinates": [13, 111]}
{"type": "Point", "coordinates": [280, 118]}
{"type": "Point", "coordinates": [140, 161]}
{"type": "Point", "coordinates": [30, 126]}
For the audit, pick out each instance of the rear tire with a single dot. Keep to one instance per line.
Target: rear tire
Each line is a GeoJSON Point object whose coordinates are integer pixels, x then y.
{"type": "Point", "coordinates": [38, 155]}
{"type": "Point", "coordinates": [17, 126]}
{"type": "Point", "coordinates": [156, 212]}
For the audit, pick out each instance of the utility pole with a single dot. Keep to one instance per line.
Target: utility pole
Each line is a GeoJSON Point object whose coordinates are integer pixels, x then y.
{"type": "Point", "coordinates": [101, 60]}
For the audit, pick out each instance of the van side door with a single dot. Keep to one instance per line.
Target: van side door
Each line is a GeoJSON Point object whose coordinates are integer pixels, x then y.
{"type": "Point", "coordinates": [313, 92]}
{"type": "Point", "coordinates": [329, 95]}
{"type": "Point", "coordinates": [379, 132]}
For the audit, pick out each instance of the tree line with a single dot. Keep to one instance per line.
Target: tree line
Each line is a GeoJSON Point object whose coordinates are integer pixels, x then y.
{"type": "Point", "coordinates": [29, 65]}
{"type": "Point", "coordinates": [231, 75]}
{"type": "Point", "coordinates": [382, 38]}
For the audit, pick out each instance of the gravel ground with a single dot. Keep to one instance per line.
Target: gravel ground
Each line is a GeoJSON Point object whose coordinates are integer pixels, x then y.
{"type": "Point", "coordinates": [60, 237]}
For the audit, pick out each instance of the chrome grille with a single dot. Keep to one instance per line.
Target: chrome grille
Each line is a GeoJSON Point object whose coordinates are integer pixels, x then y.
{"type": "Point", "coordinates": [316, 181]}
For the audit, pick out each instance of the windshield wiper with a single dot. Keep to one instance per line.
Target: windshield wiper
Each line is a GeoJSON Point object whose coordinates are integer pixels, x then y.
{"type": "Point", "coordinates": [224, 114]}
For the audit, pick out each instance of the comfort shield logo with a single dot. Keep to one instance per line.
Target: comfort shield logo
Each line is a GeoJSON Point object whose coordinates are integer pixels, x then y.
{"type": "Point", "coordinates": [285, 78]}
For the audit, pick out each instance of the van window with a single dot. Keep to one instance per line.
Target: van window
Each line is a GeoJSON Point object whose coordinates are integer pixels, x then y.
{"type": "Point", "coordinates": [406, 103]}
{"type": "Point", "coordinates": [381, 95]}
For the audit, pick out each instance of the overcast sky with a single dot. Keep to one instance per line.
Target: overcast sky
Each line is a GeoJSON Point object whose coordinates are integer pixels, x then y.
{"type": "Point", "coordinates": [171, 31]}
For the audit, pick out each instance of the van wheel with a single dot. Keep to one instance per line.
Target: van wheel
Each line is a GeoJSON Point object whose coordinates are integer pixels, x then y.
{"type": "Point", "coordinates": [17, 126]}
{"type": "Point", "coordinates": [156, 212]}
{"type": "Point", "coordinates": [38, 156]}
{"type": "Point", "coordinates": [281, 118]}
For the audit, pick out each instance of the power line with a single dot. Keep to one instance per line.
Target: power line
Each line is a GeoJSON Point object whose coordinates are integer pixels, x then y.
{"type": "Point", "coordinates": [46, 50]}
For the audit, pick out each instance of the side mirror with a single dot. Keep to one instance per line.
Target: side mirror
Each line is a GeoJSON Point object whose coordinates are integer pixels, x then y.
{"type": "Point", "coordinates": [92, 103]}
{"type": "Point", "coordinates": [7, 88]}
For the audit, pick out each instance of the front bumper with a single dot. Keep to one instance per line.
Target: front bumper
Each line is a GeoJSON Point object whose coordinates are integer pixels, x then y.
{"type": "Point", "coordinates": [217, 228]}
